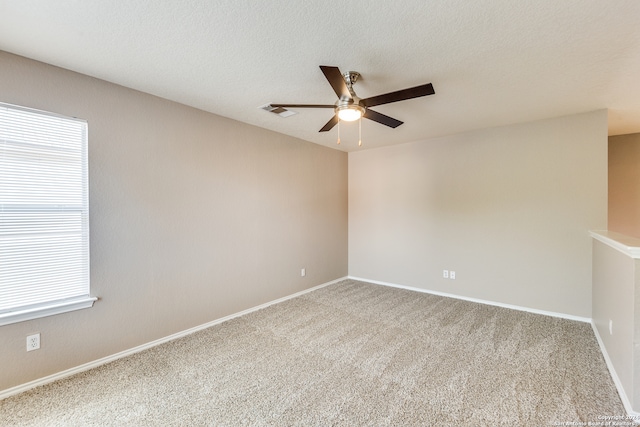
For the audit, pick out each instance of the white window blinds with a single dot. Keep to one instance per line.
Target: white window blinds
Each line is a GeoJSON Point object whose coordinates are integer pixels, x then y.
{"type": "Point", "coordinates": [44, 214]}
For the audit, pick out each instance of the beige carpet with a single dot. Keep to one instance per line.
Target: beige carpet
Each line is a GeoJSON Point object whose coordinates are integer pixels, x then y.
{"type": "Point", "coordinates": [348, 354]}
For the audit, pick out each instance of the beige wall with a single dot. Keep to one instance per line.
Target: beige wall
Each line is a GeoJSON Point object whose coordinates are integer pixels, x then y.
{"type": "Point", "coordinates": [193, 217]}
{"type": "Point", "coordinates": [507, 208]}
{"type": "Point", "coordinates": [624, 184]}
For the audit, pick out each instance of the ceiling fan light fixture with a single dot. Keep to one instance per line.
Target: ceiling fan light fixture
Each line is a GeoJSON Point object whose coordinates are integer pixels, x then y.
{"type": "Point", "coordinates": [350, 107]}
{"type": "Point", "coordinates": [350, 113]}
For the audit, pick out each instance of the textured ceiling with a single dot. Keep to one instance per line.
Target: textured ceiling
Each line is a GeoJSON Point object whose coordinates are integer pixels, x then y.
{"type": "Point", "coordinates": [492, 62]}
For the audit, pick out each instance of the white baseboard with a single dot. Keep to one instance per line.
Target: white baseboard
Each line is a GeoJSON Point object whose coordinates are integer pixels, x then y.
{"type": "Point", "coordinates": [477, 300]}
{"type": "Point", "coordinates": [90, 365]}
{"type": "Point", "coordinates": [635, 416]}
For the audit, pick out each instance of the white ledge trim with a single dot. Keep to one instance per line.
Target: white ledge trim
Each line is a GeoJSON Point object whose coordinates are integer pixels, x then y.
{"type": "Point", "coordinates": [628, 245]}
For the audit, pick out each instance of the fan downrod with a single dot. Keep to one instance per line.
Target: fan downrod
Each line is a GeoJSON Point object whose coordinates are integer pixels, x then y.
{"type": "Point", "coordinates": [350, 78]}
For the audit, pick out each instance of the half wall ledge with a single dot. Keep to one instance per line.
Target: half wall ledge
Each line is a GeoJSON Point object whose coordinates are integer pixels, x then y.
{"type": "Point", "coordinates": [626, 244]}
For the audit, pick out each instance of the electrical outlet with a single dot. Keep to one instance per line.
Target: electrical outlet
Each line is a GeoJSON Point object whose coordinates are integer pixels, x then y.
{"type": "Point", "coordinates": [33, 342]}
{"type": "Point", "coordinates": [303, 272]}
{"type": "Point", "coordinates": [610, 327]}
{"type": "Point", "coordinates": [445, 274]}
{"type": "Point", "coordinates": [452, 275]}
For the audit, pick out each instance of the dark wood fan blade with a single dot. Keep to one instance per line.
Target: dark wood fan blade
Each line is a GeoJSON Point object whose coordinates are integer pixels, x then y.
{"type": "Point", "coordinates": [303, 105]}
{"type": "Point", "coordinates": [400, 95]}
{"type": "Point", "coordinates": [334, 76]}
{"type": "Point", "coordinates": [330, 124]}
{"type": "Point", "coordinates": [381, 118]}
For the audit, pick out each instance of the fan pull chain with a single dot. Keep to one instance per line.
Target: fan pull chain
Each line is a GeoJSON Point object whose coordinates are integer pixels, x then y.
{"type": "Point", "coordinates": [360, 132]}
{"type": "Point", "coordinates": [338, 131]}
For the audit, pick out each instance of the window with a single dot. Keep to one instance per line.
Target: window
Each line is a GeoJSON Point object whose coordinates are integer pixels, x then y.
{"type": "Point", "coordinates": [44, 214]}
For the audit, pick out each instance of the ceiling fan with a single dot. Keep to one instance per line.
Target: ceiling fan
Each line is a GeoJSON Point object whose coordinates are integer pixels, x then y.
{"type": "Point", "coordinates": [350, 107]}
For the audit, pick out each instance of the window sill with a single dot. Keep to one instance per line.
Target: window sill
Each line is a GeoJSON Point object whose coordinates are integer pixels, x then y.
{"type": "Point", "coordinates": [44, 310]}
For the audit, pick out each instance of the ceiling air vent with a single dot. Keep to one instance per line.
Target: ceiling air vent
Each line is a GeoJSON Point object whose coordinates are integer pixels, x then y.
{"type": "Point", "coordinates": [282, 112]}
